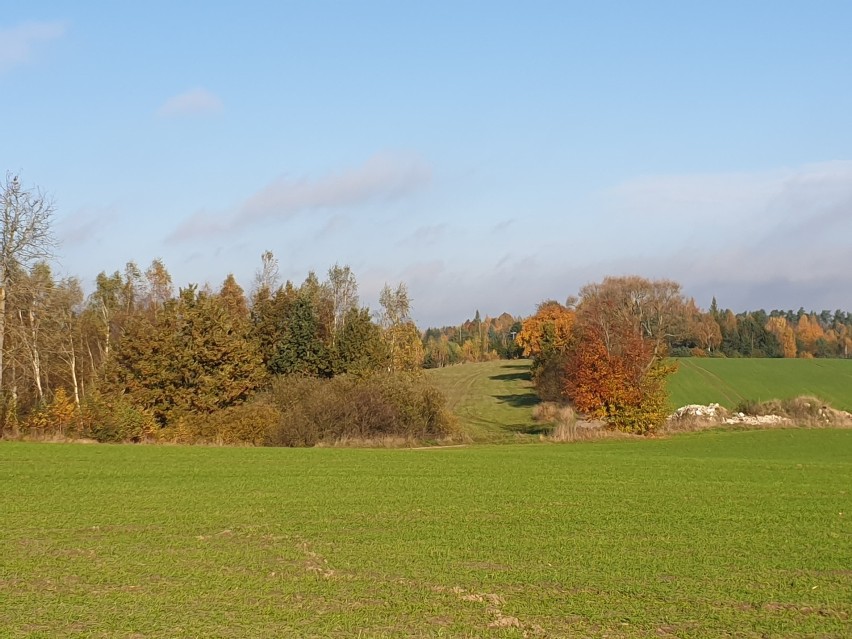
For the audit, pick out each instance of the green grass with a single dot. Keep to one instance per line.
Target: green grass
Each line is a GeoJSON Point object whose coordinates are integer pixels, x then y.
{"type": "Point", "coordinates": [729, 381]}
{"type": "Point", "coordinates": [741, 534]}
{"type": "Point", "coordinates": [492, 400]}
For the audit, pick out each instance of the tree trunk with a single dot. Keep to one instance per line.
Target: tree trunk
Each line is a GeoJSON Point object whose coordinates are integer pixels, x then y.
{"type": "Point", "coordinates": [35, 356]}
{"type": "Point", "coordinates": [73, 366]}
{"type": "Point", "coordinates": [2, 333]}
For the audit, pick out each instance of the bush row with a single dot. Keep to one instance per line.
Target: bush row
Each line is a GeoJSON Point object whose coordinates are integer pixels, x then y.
{"type": "Point", "coordinates": [293, 411]}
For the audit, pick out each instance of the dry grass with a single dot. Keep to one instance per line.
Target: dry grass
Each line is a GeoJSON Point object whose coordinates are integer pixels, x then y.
{"type": "Point", "coordinates": [389, 441]}
{"type": "Point", "coordinates": [567, 427]}
{"type": "Point", "coordinates": [803, 411]}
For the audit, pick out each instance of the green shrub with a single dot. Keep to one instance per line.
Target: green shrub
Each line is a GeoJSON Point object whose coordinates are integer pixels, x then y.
{"type": "Point", "coordinates": [114, 419]}
{"type": "Point", "coordinates": [549, 377]}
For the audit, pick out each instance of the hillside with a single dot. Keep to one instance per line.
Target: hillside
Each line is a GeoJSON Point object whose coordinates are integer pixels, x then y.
{"type": "Point", "coordinates": [492, 400]}
{"type": "Point", "coordinates": [730, 381]}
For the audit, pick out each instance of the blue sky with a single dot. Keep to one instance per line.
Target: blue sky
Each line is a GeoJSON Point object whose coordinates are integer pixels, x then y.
{"type": "Point", "coordinates": [489, 154]}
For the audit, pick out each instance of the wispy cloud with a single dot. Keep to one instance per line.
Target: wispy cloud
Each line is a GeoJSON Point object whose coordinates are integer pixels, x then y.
{"type": "Point", "coordinates": [196, 101]}
{"type": "Point", "coordinates": [745, 197]}
{"type": "Point", "coordinates": [502, 226]}
{"type": "Point", "coordinates": [18, 44]}
{"type": "Point", "coordinates": [424, 236]}
{"type": "Point", "coordinates": [86, 225]}
{"type": "Point", "coordinates": [383, 177]}
{"type": "Point", "coordinates": [772, 239]}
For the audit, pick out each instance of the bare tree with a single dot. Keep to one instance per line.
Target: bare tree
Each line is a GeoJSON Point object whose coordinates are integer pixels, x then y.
{"type": "Point", "coordinates": [344, 293]}
{"type": "Point", "coordinates": [66, 311]}
{"type": "Point", "coordinates": [32, 303]}
{"type": "Point", "coordinates": [266, 277]}
{"type": "Point", "coordinates": [25, 237]}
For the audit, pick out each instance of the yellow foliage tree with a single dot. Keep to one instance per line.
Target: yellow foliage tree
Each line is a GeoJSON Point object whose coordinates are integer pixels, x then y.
{"type": "Point", "coordinates": [808, 331]}
{"type": "Point", "coordinates": [547, 331]}
{"type": "Point", "coordinates": [781, 329]}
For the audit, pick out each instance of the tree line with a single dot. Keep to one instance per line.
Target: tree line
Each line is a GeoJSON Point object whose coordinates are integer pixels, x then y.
{"type": "Point", "coordinates": [136, 359]}
{"type": "Point", "coordinates": [474, 340]}
{"type": "Point", "coordinates": [299, 364]}
{"type": "Point", "coordinates": [777, 333]}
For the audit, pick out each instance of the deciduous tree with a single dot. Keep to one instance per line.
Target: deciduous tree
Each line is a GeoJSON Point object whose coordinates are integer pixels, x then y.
{"type": "Point", "coordinates": [25, 238]}
{"type": "Point", "coordinates": [784, 333]}
{"type": "Point", "coordinates": [616, 367]}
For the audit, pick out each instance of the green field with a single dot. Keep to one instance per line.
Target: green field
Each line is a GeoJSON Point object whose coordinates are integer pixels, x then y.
{"type": "Point", "coordinates": [741, 534]}
{"type": "Point", "coordinates": [492, 400]}
{"type": "Point", "coordinates": [730, 381]}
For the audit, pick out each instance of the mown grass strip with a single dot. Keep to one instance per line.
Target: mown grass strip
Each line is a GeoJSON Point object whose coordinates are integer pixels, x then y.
{"type": "Point", "coordinates": [492, 400]}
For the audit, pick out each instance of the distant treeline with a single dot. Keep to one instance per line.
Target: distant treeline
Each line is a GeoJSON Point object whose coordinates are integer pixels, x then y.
{"type": "Point", "coordinates": [778, 333]}
{"type": "Point", "coordinates": [476, 340]}
{"type": "Point", "coordinates": [711, 333]}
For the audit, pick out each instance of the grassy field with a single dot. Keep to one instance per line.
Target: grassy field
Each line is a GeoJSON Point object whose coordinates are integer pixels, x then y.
{"type": "Point", "coordinates": [741, 534]}
{"type": "Point", "coordinates": [492, 400]}
{"type": "Point", "coordinates": [730, 381]}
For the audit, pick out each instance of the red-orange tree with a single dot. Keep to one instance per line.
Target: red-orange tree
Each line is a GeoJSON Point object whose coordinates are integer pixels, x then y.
{"type": "Point", "coordinates": [615, 368]}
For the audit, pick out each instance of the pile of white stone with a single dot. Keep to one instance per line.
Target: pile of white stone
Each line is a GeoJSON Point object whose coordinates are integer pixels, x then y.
{"type": "Point", "coordinates": [756, 420]}
{"type": "Point", "coordinates": [711, 411]}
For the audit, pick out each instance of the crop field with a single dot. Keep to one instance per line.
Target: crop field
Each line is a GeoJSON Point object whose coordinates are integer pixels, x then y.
{"type": "Point", "coordinates": [701, 380]}
{"type": "Point", "coordinates": [741, 534]}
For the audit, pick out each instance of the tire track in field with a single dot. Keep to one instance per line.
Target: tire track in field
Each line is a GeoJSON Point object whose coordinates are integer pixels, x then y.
{"type": "Point", "coordinates": [719, 384]}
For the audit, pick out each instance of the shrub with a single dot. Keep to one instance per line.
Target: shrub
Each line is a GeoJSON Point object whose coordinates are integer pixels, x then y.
{"type": "Point", "coordinates": [57, 418]}
{"type": "Point", "coordinates": [549, 377]}
{"type": "Point", "coordinates": [314, 411]}
{"type": "Point", "coordinates": [243, 424]}
{"type": "Point", "coordinates": [802, 411]}
{"type": "Point", "coordinates": [115, 419]}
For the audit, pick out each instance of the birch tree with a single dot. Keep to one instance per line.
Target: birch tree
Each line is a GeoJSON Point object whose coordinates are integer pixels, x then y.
{"type": "Point", "coordinates": [25, 238]}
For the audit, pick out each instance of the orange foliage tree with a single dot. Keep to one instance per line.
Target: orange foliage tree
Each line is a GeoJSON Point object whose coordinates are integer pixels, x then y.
{"type": "Point", "coordinates": [545, 337]}
{"type": "Point", "coordinates": [808, 331]}
{"type": "Point", "coordinates": [547, 331]}
{"type": "Point", "coordinates": [616, 365]}
{"type": "Point", "coordinates": [703, 328]}
{"type": "Point", "coordinates": [619, 388]}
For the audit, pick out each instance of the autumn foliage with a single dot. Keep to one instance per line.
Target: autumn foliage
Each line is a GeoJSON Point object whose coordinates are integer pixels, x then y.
{"type": "Point", "coordinates": [547, 331]}
{"type": "Point", "coordinates": [545, 338]}
{"type": "Point", "coordinates": [609, 357]}
{"type": "Point", "coordinates": [624, 388]}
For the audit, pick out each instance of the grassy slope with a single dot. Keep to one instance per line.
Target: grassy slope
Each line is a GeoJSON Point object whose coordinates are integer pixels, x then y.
{"type": "Point", "coordinates": [493, 400]}
{"type": "Point", "coordinates": [723, 533]}
{"type": "Point", "coordinates": [728, 381]}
